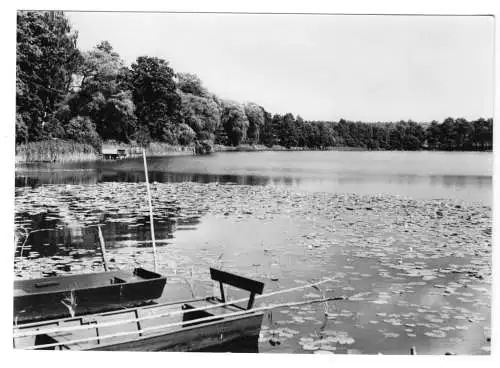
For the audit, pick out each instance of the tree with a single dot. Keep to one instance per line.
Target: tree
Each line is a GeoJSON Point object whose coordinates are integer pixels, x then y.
{"type": "Point", "coordinates": [104, 94]}
{"type": "Point", "coordinates": [464, 131]}
{"type": "Point", "coordinates": [155, 97]}
{"type": "Point", "coordinates": [448, 132]}
{"type": "Point", "coordinates": [185, 135]}
{"type": "Point", "coordinates": [276, 124]}
{"type": "Point", "coordinates": [433, 134]}
{"type": "Point", "coordinates": [255, 116]}
{"type": "Point", "coordinates": [82, 130]}
{"type": "Point", "coordinates": [46, 59]}
{"type": "Point", "coordinates": [325, 136]}
{"type": "Point", "coordinates": [199, 109]}
{"type": "Point", "coordinates": [380, 136]}
{"type": "Point", "coordinates": [287, 131]}
{"type": "Point", "coordinates": [482, 135]}
{"type": "Point", "coordinates": [234, 121]}
{"type": "Point", "coordinates": [192, 84]}
{"type": "Point", "coordinates": [101, 63]}
{"type": "Point", "coordinates": [202, 114]}
{"type": "Point", "coordinates": [344, 133]}
{"type": "Point", "coordinates": [396, 137]}
{"type": "Point", "coordinates": [267, 134]}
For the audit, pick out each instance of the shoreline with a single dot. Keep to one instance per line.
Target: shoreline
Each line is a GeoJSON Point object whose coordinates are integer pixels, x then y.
{"type": "Point", "coordinates": [174, 151]}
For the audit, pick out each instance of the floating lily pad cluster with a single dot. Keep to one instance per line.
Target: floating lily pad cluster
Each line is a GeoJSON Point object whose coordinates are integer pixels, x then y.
{"type": "Point", "coordinates": [418, 272]}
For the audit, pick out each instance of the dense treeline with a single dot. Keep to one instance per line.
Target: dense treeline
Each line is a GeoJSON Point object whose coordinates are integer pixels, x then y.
{"type": "Point", "coordinates": [91, 96]}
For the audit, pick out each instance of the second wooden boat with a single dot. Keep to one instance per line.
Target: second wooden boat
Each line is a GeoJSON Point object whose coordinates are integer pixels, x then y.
{"type": "Point", "coordinates": [67, 296]}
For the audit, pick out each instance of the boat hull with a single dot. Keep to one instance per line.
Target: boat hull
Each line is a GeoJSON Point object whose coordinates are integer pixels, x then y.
{"type": "Point", "coordinates": [237, 334]}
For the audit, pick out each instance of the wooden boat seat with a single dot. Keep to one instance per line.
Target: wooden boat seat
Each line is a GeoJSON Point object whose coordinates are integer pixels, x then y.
{"type": "Point", "coordinates": [254, 287]}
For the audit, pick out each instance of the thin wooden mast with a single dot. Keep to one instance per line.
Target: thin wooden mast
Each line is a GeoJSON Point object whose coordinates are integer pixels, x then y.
{"type": "Point", "coordinates": [150, 209]}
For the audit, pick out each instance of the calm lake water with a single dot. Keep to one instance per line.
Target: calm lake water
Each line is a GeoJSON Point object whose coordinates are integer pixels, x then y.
{"type": "Point", "coordinates": [420, 175]}
{"type": "Point", "coordinates": [419, 270]}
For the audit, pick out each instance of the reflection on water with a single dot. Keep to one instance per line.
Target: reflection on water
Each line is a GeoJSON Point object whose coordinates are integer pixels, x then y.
{"type": "Point", "coordinates": [54, 176]}
{"type": "Point", "coordinates": [63, 226]}
{"type": "Point", "coordinates": [56, 238]}
{"type": "Point", "coordinates": [421, 175]}
{"type": "Point", "coordinates": [421, 278]}
{"type": "Point", "coordinates": [418, 272]}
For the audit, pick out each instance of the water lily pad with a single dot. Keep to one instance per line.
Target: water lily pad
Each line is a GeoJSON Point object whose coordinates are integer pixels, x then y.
{"type": "Point", "coordinates": [310, 347]}
{"type": "Point", "coordinates": [436, 334]}
{"type": "Point", "coordinates": [391, 334]}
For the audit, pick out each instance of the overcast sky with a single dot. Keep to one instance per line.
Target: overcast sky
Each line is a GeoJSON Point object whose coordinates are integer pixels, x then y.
{"type": "Point", "coordinates": [369, 68]}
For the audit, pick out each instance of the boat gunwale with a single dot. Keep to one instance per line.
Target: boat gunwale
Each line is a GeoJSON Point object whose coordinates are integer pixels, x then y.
{"type": "Point", "coordinates": [117, 311]}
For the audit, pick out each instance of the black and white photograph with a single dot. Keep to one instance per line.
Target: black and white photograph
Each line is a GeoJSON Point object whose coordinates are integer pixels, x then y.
{"type": "Point", "coordinates": [252, 182]}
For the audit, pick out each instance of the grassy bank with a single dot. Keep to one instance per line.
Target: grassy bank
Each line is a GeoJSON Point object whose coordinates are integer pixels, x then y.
{"type": "Point", "coordinates": [55, 151]}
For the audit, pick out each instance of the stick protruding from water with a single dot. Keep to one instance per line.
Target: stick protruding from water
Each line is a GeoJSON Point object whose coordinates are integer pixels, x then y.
{"type": "Point", "coordinates": [150, 208]}
{"type": "Point", "coordinates": [103, 249]}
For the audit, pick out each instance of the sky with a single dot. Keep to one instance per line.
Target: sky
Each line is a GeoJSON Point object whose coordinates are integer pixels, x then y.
{"type": "Point", "coordinates": [321, 67]}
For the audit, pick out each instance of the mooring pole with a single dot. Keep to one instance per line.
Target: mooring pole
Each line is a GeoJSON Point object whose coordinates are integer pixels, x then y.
{"type": "Point", "coordinates": [103, 248]}
{"type": "Point", "coordinates": [150, 208]}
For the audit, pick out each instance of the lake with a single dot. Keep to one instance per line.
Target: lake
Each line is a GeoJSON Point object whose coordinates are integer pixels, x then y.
{"type": "Point", "coordinates": [459, 175]}
{"type": "Point", "coordinates": [405, 235]}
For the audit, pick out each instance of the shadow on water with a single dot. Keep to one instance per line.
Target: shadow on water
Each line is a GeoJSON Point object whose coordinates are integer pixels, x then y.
{"type": "Point", "coordinates": [58, 235]}
{"type": "Point", "coordinates": [56, 241]}
{"type": "Point", "coordinates": [243, 345]}
{"type": "Point", "coordinates": [34, 179]}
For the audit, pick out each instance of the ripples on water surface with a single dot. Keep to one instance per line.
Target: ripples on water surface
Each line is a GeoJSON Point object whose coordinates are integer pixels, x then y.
{"type": "Point", "coordinates": [418, 271]}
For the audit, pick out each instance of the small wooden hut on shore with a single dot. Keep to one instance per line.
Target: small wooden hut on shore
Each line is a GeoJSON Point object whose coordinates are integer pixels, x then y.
{"type": "Point", "coordinates": [113, 153]}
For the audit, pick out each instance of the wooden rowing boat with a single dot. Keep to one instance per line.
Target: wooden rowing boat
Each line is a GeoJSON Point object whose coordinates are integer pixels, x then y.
{"type": "Point", "coordinates": [206, 324]}
{"type": "Point", "coordinates": [64, 296]}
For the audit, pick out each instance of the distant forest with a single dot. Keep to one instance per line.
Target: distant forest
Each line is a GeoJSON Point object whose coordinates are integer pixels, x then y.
{"type": "Point", "coordinates": [92, 96]}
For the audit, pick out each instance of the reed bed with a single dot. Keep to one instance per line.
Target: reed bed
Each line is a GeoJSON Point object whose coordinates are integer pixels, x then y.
{"type": "Point", "coordinates": [153, 149]}
{"type": "Point", "coordinates": [55, 151]}
{"type": "Point", "coordinates": [159, 149]}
